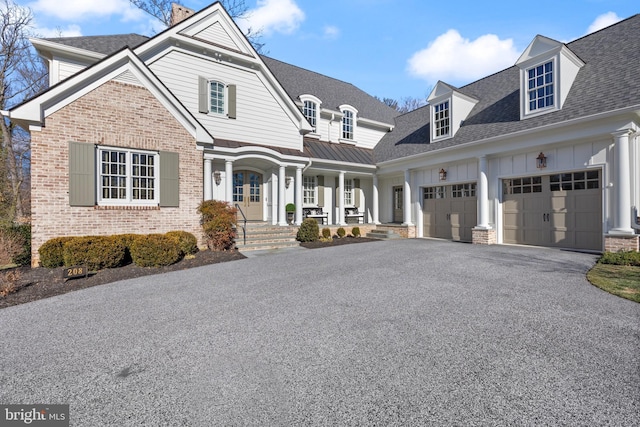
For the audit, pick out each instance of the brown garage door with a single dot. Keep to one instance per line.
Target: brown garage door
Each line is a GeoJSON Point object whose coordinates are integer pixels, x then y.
{"type": "Point", "coordinates": [561, 210]}
{"type": "Point", "coordinates": [450, 212]}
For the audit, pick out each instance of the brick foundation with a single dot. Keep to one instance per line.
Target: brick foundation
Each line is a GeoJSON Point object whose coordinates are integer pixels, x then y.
{"type": "Point", "coordinates": [119, 115]}
{"type": "Point", "coordinates": [484, 237]}
{"type": "Point", "coordinates": [617, 243]}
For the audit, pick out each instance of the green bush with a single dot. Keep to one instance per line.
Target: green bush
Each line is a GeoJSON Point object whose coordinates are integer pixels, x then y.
{"type": "Point", "coordinates": [187, 242]}
{"type": "Point", "coordinates": [631, 258]}
{"type": "Point", "coordinates": [126, 240]}
{"type": "Point", "coordinates": [155, 250]}
{"type": "Point", "coordinates": [326, 233]}
{"type": "Point", "coordinates": [308, 231]}
{"type": "Point", "coordinates": [341, 232]}
{"type": "Point", "coordinates": [96, 252]}
{"type": "Point", "coordinates": [22, 234]}
{"type": "Point", "coordinates": [290, 207]}
{"type": "Point", "coordinates": [355, 232]}
{"type": "Point", "coordinates": [51, 252]}
{"type": "Point", "coordinates": [218, 221]}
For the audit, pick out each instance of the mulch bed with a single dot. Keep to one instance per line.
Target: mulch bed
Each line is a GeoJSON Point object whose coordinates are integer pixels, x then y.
{"type": "Point", "coordinates": [40, 282]}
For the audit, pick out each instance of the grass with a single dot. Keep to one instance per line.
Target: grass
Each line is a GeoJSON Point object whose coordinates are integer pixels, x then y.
{"type": "Point", "coordinates": [620, 280]}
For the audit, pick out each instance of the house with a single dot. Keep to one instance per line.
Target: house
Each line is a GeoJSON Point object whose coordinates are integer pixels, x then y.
{"type": "Point", "coordinates": [135, 132]}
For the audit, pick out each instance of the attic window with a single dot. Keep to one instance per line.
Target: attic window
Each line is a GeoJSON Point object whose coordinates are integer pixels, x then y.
{"type": "Point", "coordinates": [441, 119]}
{"type": "Point", "coordinates": [310, 112]}
{"type": "Point", "coordinates": [540, 86]}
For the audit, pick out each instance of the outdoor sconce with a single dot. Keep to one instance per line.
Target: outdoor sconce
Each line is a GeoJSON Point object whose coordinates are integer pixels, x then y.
{"type": "Point", "coordinates": [217, 177]}
{"type": "Point", "coordinates": [287, 181]}
{"type": "Point", "coordinates": [541, 161]}
{"type": "Point", "coordinates": [443, 175]}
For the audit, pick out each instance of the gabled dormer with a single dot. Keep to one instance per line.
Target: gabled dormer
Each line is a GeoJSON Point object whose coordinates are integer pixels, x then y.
{"type": "Point", "coordinates": [448, 108]}
{"type": "Point", "coordinates": [548, 69]}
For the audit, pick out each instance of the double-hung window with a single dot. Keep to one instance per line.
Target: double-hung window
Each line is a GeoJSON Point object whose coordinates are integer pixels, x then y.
{"type": "Point", "coordinates": [347, 124]}
{"type": "Point", "coordinates": [216, 97]}
{"type": "Point", "coordinates": [128, 176]}
{"type": "Point", "coordinates": [348, 192]}
{"type": "Point", "coordinates": [309, 187]}
{"type": "Point", "coordinates": [310, 110]}
{"type": "Point", "coordinates": [540, 86]}
{"type": "Point", "coordinates": [441, 119]}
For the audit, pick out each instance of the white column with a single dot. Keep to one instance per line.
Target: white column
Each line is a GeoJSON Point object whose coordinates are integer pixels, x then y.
{"type": "Point", "coordinates": [228, 176]}
{"type": "Point", "coordinates": [483, 194]}
{"type": "Point", "coordinates": [621, 184]}
{"type": "Point", "coordinates": [208, 184]}
{"type": "Point", "coordinates": [407, 198]}
{"type": "Point", "coordinates": [298, 219]}
{"type": "Point", "coordinates": [376, 202]}
{"type": "Point", "coordinates": [282, 214]}
{"type": "Point", "coordinates": [341, 199]}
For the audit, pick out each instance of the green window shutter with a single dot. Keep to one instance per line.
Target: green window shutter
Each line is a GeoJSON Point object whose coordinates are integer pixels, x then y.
{"type": "Point", "coordinates": [356, 190]}
{"type": "Point", "coordinates": [231, 92]}
{"type": "Point", "coordinates": [82, 174]}
{"type": "Point", "coordinates": [169, 179]}
{"type": "Point", "coordinates": [203, 95]}
{"type": "Point", "coordinates": [320, 190]}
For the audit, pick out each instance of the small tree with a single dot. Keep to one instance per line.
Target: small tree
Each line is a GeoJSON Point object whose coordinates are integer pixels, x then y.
{"type": "Point", "coordinates": [218, 221]}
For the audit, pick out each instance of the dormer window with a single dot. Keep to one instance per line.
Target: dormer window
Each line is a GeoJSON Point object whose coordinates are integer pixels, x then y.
{"type": "Point", "coordinates": [348, 123]}
{"type": "Point", "coordinates": [540, 85]}
{"type": "Point", "coordinates": [441, 119]}
{"type": "Point", "coordinates": [310, 111]}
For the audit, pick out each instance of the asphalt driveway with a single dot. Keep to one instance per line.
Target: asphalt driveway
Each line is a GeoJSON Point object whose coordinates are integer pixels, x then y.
{"type": "Point", "coordinates": [408, 332]}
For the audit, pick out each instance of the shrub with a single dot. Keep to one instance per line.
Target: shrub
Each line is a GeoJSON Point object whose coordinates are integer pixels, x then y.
{"type": "Point", "coordinates": [9, 282]}
{"type": "Point", "coordinates": [631, 258]}
{"type": "Point", "coordinates": [341, 232]}
{"type": "Point", "coordinates": [126, 240]}
{"type": "Point", "coordinates": [22, 235]}
{"type": "Point", "coordinates": [155, 250]}
{"type": "Point", "coordinates": [187, 242]}
{"type": "Point", "coordinates": [218, 221]}
{"type": "Point", "coordinates": [290, 207]}
{"type": "Point", "coordinates": [308, 231]}
{"type": "Point", "coordinates": [326, 233]}
{"type": "Point", "coordinates": [96, 252]}
{"type": "Point", "coordinates": [355, 232]}
{"type": "Point", "coordinates": [10, 246]}
{"type": "Point", "coordinates": [51, 252]}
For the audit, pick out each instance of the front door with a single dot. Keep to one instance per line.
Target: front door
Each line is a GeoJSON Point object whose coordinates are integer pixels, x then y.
{"type": "Point", "coordinates": [247, 193]}
{"type": "Point", "coordinates": [398, 200]}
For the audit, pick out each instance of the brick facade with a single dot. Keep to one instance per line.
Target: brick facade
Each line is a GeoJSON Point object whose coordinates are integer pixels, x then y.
{"type": "Point", "coordinates": [120, 115]}
{"type": "Point", "coordinates": [484, 237]}
{"type": "Point", "coordinates": [613, 243]}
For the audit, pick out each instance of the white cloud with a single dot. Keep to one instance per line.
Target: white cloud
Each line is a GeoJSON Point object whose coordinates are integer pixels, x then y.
{"type": "Point", "coordinates": [603, 21]}
{"type": "Point", "coordinates": [331, 32]}
{"type": "Point", "coordinates": [454, 59]}
{"type": "Point", "coordinates": [283, 16]}
{"type": "Point", "coordinates": [71, 30]}
{"type": "Point", "coordinates": [74, 10]}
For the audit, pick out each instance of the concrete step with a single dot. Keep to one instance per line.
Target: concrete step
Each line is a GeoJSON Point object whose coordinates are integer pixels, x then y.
{"type": "Point", "coordinates": [264, 236]}
{"type": "Point", "coordinates": [260, 246]}
{"type": "Point", "coordinates": [383, 234]}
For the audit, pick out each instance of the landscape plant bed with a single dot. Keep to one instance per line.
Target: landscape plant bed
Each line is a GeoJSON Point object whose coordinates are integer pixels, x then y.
{"type": "Point", "coordinates": [337, 242]}
{"type": "Point", "coordinates": [37, 283]}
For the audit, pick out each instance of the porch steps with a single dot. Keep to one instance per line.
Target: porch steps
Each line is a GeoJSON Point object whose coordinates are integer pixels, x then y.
{"type": "Point", "coordinates": [264, 236]}
{"type": "Point", "coordinates": [383, 234]}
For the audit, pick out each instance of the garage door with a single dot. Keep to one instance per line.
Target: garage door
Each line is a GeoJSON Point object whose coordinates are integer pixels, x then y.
{"type": "Point", "coordinates": [562, 210]}
{"type": "Point", "coordinates": [450, 212]}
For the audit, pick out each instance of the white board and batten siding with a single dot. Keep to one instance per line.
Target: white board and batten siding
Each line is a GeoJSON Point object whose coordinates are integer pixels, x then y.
{"type": "Point", "coordinates": [261, 119]}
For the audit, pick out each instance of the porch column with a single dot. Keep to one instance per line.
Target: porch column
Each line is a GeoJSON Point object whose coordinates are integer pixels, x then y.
{"type": "Point", "coordinates": [621, 184]}
{"type": "Point", "coordinates": [483, 194]}
{"type": "Point", "coordinates": [341, 199]}
{"type": "Point", "coordinates": [407, 198]}
{"type": "Point", "coordinates": [282, 215]}
{"type": "Point", "coordinates": [228, 174]}
{"type": "Point", "coordinates": [208, 185]}
{"type": "Point", "coordinates": [299, 201]}
{"type": "Point", "coordinates": [376, 207]}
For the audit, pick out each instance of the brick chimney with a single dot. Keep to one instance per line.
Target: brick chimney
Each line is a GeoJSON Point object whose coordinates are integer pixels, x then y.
{"type": "Point", "coordinates": [179, 13]}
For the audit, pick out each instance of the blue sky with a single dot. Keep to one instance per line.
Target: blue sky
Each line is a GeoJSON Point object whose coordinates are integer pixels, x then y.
{"type": "Point", "coordinates": [389, 48]}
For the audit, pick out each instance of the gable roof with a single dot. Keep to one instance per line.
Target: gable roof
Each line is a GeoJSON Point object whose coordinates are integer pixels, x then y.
{"type": "Point", "coordinates": [606, 83]}
{"type": "Point", "coordinates": [332, 92]}
{"type": "Point", "coordinates": [105, 45]}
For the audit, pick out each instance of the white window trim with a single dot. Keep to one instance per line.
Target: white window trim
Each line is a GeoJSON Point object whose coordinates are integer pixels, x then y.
{"type": "Point", "coordinates": [226, 98]}
{"type": "Point", "coordinates": [524, 89]}
{"type": "Point", "coordinates": [315, 191]}
{"type": "Point", "coordinates": [432, 112]}
{"type": "Point", "coordinates": [351, 193]}
{"type": "Point", "coordinates": [354, 135]}
{"type": "Point", "coordinates": [129, 201]}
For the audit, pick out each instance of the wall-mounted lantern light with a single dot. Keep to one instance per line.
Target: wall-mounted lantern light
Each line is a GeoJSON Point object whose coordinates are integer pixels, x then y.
{"type": "Point", "coordinates": [217, 177]}
{"type": "Point", "coordinates": [287, 181]}
{"type": "Point", "coordinates": [443, 175]}
{"type": "Point", "coordinates": [541, 161]}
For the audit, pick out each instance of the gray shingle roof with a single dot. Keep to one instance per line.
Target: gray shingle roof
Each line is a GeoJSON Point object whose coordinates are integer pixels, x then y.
{"type": "Point", "coordinates": [332, 92]}
{"type": "Point", "coordinates": [102, 44]}
{"type": "Point", "coordinates": [608, 81]}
